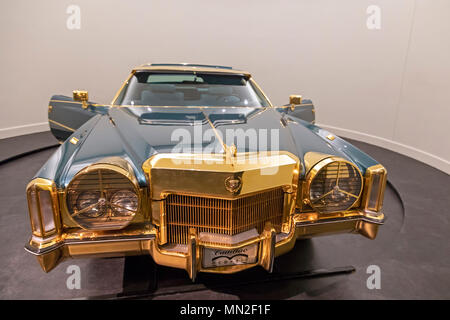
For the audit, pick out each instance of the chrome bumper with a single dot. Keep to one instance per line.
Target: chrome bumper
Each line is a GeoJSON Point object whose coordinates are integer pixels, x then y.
{"type": "Point", "coordinates": [144, 240]}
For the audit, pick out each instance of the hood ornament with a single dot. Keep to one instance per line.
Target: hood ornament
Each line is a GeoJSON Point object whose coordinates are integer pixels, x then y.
{"type": "Point", "coordinates": [231, 154]}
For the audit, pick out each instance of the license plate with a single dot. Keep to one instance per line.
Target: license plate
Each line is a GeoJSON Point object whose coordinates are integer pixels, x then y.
{"type": "Point", "coordinates": [228, 257]}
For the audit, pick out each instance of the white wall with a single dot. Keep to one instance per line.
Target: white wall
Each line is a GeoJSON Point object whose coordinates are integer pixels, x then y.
{"type": "Point", "coordinates": [388, 86]}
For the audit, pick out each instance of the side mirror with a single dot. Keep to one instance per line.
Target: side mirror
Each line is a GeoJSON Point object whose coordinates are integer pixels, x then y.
{"type": "Point", "coordinates": [81, 96]}
{"type": "Point", "coordinates": [295, 99]}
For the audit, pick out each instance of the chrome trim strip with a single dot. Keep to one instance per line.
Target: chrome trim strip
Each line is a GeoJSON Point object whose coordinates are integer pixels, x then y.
{"type": "Point", "coordinates": [337, 220]}
{"type": "Point", "coordinates": [61, 125]}
{"type": "Point", "coordinates": [37, 252]}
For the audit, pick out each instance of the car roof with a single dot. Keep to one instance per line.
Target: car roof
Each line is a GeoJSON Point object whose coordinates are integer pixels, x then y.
{"type": "Point", "coordinates": [190, 67]}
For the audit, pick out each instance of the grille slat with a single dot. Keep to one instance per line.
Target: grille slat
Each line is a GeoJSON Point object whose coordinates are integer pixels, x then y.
{"type": "Point", "coordinates": [222, 216]}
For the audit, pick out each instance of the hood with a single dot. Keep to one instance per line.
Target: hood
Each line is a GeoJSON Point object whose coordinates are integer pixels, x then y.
{"type": "Point", "coordinates": [138, 133]}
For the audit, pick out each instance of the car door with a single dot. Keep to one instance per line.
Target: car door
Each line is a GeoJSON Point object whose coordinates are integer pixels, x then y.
{"type": "Point", "coordinates": [65, 116]}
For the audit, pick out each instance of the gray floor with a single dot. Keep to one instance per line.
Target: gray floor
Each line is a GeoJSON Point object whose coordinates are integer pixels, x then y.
{"type": "Point", "coordinates": [412, 249]}
{"type": "Point", "coordinates": [11, 148]}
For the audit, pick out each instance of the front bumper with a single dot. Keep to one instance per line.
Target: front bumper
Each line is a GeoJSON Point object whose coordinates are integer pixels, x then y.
{"type": "Point", "coordinates": [141, 240]}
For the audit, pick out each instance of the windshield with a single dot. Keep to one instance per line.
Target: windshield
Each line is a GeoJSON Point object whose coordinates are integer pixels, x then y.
{"type": "Point", "coordinates": [190, 89]}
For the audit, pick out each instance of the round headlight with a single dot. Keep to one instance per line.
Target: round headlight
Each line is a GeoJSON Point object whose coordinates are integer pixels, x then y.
{"type": "Point", "coordinates": [102, 197]}
{"type": "Point", "coordinates": [124, 202]}
{"type": "Point", "coordinates": [87, 204]}
{"type": "Point", "coordinates": [334, 185]}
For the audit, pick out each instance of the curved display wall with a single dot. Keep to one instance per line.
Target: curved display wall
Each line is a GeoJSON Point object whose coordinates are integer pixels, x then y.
{"type": "Point", "coordinates": [373, 72]}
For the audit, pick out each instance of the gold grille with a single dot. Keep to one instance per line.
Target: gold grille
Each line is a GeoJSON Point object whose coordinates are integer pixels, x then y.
{"type": "Point", "coordinates": [222, 216]}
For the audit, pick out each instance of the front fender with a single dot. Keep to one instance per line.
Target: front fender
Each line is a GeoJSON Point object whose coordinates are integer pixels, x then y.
{"type": "Point", "coordinates": [56, 165]}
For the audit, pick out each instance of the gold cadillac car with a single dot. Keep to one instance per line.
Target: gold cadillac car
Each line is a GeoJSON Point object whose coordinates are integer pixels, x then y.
{"type": "Point", "coordinates": [193, 165]}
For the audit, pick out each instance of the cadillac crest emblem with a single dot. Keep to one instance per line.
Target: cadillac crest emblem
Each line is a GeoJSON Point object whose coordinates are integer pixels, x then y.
{"type": "Point", "coordinates": [233, 184]}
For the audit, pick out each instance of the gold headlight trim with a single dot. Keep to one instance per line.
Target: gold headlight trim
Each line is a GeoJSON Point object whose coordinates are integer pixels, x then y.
{"type": "Point", "coordinates": [103, 196]}
{"type": "Point", "coordinates": [333, 185]}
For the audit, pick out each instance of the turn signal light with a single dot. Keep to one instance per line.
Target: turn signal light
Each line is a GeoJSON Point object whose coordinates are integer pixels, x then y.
{"type": "Point", "coordinates": [43, 207]}
{"type": "Point", "coordinates": [375, 184]}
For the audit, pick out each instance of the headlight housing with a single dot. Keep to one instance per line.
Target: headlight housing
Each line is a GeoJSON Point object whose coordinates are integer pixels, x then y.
{"type": "Point", "coordinates": [333, 185]}
{"type": "Point", "coordinates": [103, 197]}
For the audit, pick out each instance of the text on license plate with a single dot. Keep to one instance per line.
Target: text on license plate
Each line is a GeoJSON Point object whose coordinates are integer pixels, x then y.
{"type": "Point", "coordinates": [227, 257]}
